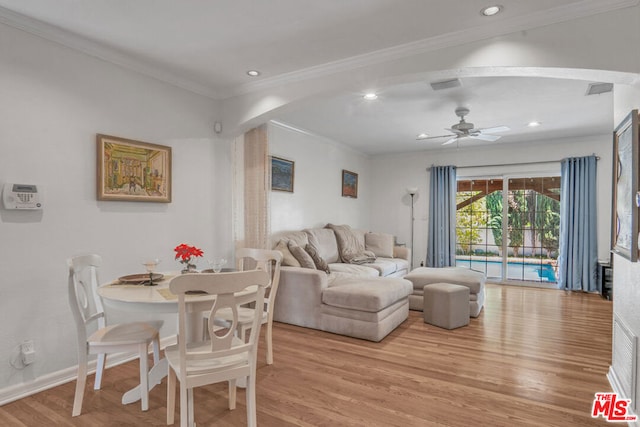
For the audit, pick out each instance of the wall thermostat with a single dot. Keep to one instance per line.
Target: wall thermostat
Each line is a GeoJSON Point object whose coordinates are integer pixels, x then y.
{"type": "Point", "coordinates": [21, 196]}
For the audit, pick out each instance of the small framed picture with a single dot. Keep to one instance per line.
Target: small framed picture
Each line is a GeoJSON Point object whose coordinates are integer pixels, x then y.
{"type": "Point", "coordinates": [282, 174]}
{"type": "Point", "coordinates": [349, 184]}
{"type": "Point", "coordinates": [132, 171]}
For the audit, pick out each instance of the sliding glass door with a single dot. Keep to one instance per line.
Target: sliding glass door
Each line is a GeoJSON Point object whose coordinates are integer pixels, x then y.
{"type": "Point", "coordinates": [508, 228]}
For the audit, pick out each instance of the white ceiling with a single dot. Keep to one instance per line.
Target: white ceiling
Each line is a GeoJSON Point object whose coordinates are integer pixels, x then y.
{"type": "Point", "coordinates": [207, 47]}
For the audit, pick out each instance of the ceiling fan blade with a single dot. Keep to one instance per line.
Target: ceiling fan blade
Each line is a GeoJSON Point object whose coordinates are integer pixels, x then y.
{"type": "Point", "coordinates": [485, 137]}
{"type": "Point", "coordinates": [433, 137]}
{"type": "Point", "coordinates": [456, 131]}
{"type": "Point", "coordinates": [450, 141]}
{"type": "Point", "coordinates": [495, 129]}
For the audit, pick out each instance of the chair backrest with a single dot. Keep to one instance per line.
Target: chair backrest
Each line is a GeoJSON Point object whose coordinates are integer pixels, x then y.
{"type": "Point", "coordinates": [230, 290]}
{"type": "Point", "coordinates": [84, 301]}
{"type": "Point", "coordinates": [265, 260]}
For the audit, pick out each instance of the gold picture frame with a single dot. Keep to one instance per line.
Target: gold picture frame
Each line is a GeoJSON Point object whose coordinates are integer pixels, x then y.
{"type": "Point", "coordinates": [349, 184]}
{"type": "Point", "coordinates": [132, 171]}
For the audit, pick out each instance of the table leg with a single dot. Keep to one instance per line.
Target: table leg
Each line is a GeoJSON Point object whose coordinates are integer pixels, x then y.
{"type": "Point", "coordinates": [156, 374]}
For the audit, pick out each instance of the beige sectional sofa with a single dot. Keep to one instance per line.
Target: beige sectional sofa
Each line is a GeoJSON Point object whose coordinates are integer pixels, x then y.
{"type": "Point", "coordinates": [364, 300]}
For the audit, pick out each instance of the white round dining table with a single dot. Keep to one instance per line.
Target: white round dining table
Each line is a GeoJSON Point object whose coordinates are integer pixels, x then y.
{"type": "Point", "coordinates": [158, 298]}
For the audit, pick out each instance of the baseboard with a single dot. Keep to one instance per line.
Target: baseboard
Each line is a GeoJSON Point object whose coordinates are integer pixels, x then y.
{"type": "Point", "coordinates": [54, 379]}
{"type": "Point", "coordinates": [616, 386]}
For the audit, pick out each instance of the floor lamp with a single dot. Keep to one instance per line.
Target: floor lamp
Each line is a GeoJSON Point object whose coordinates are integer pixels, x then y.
{"type": "Point", "coordinates": [412, 192]}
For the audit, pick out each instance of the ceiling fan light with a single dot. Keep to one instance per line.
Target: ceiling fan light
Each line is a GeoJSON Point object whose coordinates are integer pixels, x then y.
{"type": "Point", "coordinates": [491, 10]}
{"type": "Point", "coordinates": [422, 136]}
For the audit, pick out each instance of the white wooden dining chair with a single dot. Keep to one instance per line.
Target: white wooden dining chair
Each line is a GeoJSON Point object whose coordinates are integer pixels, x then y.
{"type": "Point", "coordinates": [269, 261]}
{"type": "Point", "coordinates": [223, 356]}
{"type": "Point", "coordinates": [87, 310]}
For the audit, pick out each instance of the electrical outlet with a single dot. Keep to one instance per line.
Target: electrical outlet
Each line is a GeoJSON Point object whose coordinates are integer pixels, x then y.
{"type": "Point", "coordinates": [28, 352]}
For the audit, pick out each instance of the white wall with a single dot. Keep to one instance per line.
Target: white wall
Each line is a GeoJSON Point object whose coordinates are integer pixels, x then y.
{"type": "Point", "coordinates": [317, 197]}
{"type": "Point", "coordinates": [391, 205]}
{"type": "Point", "coordinates": [626, 275]}
{"type": "Point", "coordinates": [53, 101]}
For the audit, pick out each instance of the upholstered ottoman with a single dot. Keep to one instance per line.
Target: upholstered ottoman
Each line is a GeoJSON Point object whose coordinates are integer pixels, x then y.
{"type": "Point", "coordinates": [446, 305]}
{"type": "Point", "coordinates": [474, 280]}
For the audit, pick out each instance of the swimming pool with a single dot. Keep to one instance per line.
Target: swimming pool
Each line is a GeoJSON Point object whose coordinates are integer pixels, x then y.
{"type": "Point", "coordinates": [515, 270]}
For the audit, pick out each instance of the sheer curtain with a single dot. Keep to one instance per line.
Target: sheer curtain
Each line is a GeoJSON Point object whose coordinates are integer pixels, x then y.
{"type": "Point", "coordinates": [441, 249]}
{"type": "Point", "coordinates": [257, 188]}
{"type": "Point", "coordinates": [578, 256]}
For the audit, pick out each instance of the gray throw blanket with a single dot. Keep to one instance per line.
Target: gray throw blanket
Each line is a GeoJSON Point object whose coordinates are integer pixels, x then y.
{"type": "Point", "coordinates": [351, 250]}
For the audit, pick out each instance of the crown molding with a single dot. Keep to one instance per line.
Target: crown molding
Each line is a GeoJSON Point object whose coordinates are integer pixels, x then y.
{"type": "Point", "coordinates": [499, 28]}
{"type": "Point", "coordinates": [100, 51]}
{"type": "Point", "coordinates": [534, 20]}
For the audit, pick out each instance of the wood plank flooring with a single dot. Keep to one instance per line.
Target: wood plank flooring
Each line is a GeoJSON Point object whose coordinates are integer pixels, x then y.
{"type": "Point", "coordinates": [534, 357]}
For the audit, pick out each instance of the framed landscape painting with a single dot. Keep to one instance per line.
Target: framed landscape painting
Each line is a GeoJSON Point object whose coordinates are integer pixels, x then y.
{"type": "Point", "coordinates": [282, 174]}
{"type": "Point", "coordinates": [133, 171]}
{"type": "Point", "coordinates": [625, 188]}
{"type": "Point", "coordinates": [349, 184]}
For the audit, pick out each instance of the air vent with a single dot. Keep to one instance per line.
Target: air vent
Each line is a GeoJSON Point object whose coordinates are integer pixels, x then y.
{"type": "Point", "coordinates": [446, 84]}
{"type": "Point", "coordinates": [598, 88]}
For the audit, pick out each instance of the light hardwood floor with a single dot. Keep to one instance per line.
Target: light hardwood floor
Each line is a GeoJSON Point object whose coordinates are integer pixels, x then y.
{"type": "Point", "coordinates": [534, 357]}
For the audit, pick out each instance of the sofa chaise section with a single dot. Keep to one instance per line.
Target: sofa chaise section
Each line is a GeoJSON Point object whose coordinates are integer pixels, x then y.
{"type": "Point", "coordinates": [365, 301]}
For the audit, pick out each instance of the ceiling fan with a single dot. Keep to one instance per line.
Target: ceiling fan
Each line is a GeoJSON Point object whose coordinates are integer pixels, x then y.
{"type": "Point", "coordinates": [466, 130]}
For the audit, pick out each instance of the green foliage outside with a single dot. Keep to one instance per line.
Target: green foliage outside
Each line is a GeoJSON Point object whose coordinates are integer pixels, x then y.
{"type": "Point", "coordinates": [469, 222]}
{"type": "Point", "coordinates": [527, 210]}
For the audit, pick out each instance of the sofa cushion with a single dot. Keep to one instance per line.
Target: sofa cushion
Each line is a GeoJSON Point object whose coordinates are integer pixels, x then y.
{"type": "Point", "coordinates": [354, 269]}
{"type": "Point", "coordinates": [299, 237]}
{"type": "Point", "coordinates": [367, 295]}
{"type": "Point", "coordinates": [384, 266]}
{"type": "Point", "coordinates": [287, 257]}
{"type": "Point", "coordinates": [320, 263]}
{"type": "Point", "coordinates": [301, 255]}
{"type": "Point", "coordinates": [401, 264]}
{"type": "Point", "coordinates": [381, 244]}
{"type": "Point", "coordinates": [324, 242]}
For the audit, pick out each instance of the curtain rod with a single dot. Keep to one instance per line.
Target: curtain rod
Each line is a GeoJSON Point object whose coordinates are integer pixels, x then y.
{"type": "Point", "coordinates": [508, 164]}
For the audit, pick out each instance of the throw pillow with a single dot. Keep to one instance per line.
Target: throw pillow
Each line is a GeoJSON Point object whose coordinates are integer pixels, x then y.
{"type": "Point", "coordinates": [381, 244]}
{"type": "Point", "coordinates": [301, 255]}
{"type": "Point", "coordinates": [287, 256]}
{"type": "Point", "coordinates": [320, 263]}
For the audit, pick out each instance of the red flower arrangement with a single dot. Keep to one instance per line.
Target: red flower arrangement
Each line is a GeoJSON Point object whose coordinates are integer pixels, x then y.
{"type": "Point", "coordinates": [184, 253]}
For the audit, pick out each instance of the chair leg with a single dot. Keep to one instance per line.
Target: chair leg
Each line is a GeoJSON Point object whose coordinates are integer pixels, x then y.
{"type": "Point", "coordinates": [144, 376]}
{"type": "Point", "coordinates": [251, 400]}
{"type": "Point", "coordinates": [192, 420]}
{"type": "Point", "coordinates": [171, 396]}
{"type": "Point", "coordinates": [156, 351]}
{"type": "Point", "coordinates": [232, 394]}
{"type": "Point", "coordinates": [184, 412]}
{"type": "Point", "coordinates": [269, 336]}
{"type": "Point", "coordinates": [80, 384]}
{"type": "Point", "coordinates": [102, 360]}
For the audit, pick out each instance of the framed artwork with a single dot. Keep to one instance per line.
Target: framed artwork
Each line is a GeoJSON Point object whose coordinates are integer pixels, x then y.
{"type": "Point", "coordinates": [625, 188]}
{"type": "Point", "coordinates": [133, 171]}
{"type": "Point", "coordinates": [349, 184]}
{"type": "Point", "coordinates": [282, 174]}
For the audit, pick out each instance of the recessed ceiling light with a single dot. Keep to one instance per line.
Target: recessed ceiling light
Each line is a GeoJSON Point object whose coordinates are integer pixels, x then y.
{"type": "Point", "coordinates": [422, 136]}
{"type": "Point", "coordinates": [491, 10]}
{"type": "Point", "coordinates": [253, 73]}
{"type": "Point", "coordinates": [534, 124]}
{"type": "Point", "coordinates": [370, 96]}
